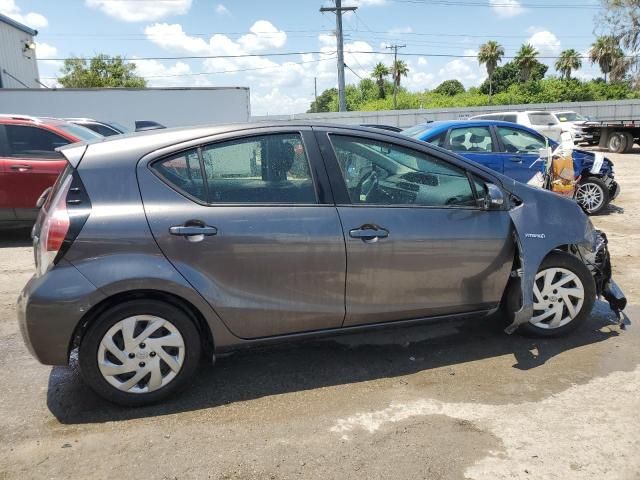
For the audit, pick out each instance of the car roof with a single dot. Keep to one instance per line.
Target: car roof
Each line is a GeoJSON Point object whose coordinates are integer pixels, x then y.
{"type": "Point", "coordinates": [30, 120]}
{"type": "Point", "coordinates": [442, 125]}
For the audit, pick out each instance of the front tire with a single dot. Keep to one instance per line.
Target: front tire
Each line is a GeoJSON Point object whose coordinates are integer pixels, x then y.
{"type": "Point", "coordinates": [592, 195]}
{"type": "Point", "coordinates": [564, 294]}
{"type": "Point", "coordinates": [139, 352]}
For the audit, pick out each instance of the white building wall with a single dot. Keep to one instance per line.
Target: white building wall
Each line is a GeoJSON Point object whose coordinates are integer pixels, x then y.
{"type": "Point", "coordinates": [14, 60]}
{"type": "Point", "coordinates": [171, 107]}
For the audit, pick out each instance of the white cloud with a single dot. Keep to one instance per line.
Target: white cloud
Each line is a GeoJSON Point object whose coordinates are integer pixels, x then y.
{"type": "Point", "coordinates": [222, 10]}
{"type": "Point", "coordinates": [172, 37]}
{"type": "Point", "coordinates": [263, 36]}
{"type": "Point", "coordinates": [422, 61]}
{"type": "Point", "coordinates": [275, 102]}
{"type": "Point", "coordinates": [44, 51]}
{"type": "Point", "coordinates": [140, 11]}
{"type": "Point", "coordinates": [30, 19]}
{"type": "Point", "coordinates": [545, 42]}
{"type": "Point", "coordinates": [507, 8]}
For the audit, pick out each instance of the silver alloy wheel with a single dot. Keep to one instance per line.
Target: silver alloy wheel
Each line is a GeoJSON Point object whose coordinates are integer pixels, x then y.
{"type": "Point", "coordinates": [558, 298]}
{"type": "Point", "coordinates": [141, 354]}
{"type": "Point", "coordinates": [590, 196]}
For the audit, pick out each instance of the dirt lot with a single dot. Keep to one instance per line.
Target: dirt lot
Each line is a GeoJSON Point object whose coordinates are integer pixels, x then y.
{"type": "Point", "coordinates": [452, 401]}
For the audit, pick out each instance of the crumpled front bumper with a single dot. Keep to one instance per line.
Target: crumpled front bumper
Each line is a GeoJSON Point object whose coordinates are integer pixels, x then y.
{"type": "Point", "coordinates": [598, 260]}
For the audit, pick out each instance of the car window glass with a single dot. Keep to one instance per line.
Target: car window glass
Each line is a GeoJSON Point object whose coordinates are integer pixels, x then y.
{"type": "Point", "coordinates": [542, 119]}
{"type": "Point", "coordinates": [33, 142]}
{"type": "Point", "coordinates": [510, 118]}
{"type": "Point", "coordinates": [261, 169]}
{"type": "Point", "coordinates": [101, 129]}
{"type": "Point", "coordinates": [183, 172]}
{"type": "Point", "coordinates": [438, 139]}
{"type": "Point", "coordinates": [520, 141]}
{"type": "Point", "coordinates": [383, 173]}
{"type": "Point", "coordinates": [471, 139]}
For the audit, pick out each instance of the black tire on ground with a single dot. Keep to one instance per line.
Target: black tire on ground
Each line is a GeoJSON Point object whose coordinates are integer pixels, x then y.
{"type": "Point", "coordinates": [630, 142]}
{"type": "Point", "coordinates": [512, 300]}
{"type": "Point", "coordinates": [597, 186]}
{"type": "Point", "coordinates": [90, 343]}
{"type": "Point", "coordinates": [617, 142]}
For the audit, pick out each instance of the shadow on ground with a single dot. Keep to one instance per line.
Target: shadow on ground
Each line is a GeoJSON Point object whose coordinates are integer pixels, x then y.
{"type": "Point", "coordinates": [15, 237]}
{"type": "Point", "coordinates": [345, 359]}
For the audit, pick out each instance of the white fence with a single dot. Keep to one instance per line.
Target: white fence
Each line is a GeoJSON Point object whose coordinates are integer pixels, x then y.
{"type": "Point", "coordinates": [607, 110]}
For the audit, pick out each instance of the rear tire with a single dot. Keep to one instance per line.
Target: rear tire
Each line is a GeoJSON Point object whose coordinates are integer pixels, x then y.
{"type": "Point", "coordinates": [592, 195]}
{"type": "Point", "coordinates": [630, 142]}
{"type": "Point", "coordinates": [149, 342]}
{"type": "Point", "coordinates": [617, 142]}
{"type": "Point", "coordinates": [560, 266]}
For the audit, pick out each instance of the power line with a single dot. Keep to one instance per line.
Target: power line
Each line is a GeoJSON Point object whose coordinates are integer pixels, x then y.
{"type": "Point", "coordinates": [204, 57]}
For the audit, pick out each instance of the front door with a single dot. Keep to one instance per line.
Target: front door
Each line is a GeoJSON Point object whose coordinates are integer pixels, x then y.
{"type": "Point", "coordinates": [246, 221]}
{"type": "Point", "coordinates": [418, 244]}
{"type": "Point", "coordinates": [521, 153]}
{"type": "Point", "coordinates": [31, 165]}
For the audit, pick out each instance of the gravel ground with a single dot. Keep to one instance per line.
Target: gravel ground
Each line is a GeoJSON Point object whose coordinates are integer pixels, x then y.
{"type": "Point", "coordinates": [449, 401]}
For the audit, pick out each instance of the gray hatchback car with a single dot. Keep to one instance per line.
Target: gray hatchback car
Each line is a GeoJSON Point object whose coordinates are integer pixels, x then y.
{"type": "Point", "coordinates": [154, 250]}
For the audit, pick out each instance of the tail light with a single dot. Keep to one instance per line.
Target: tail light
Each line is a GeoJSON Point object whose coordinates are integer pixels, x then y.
{"type": "Point", "coordinates": [55, 227]}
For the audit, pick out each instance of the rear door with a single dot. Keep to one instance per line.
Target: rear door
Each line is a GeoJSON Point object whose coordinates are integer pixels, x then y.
{"type": "Point", "coordinates": [31, 165]}
{"type": "Point", "coordinates": [521, 153]}
{"type": "Point", "coordinates": [418, 244]}
{"type": "Point", "coordinates": [249, 221]}
{"type": "Point", "coordinates": [477, 144]}
{"type": "Point", "coordinates": [6, 210]}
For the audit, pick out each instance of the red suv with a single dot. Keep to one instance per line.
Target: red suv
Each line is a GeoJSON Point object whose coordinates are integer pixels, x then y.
{"type": "Point", "coordinates": [29, 163]}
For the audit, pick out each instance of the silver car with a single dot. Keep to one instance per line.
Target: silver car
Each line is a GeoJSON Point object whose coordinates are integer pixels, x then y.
{"type": "Point", "coordinates": [157, 249]}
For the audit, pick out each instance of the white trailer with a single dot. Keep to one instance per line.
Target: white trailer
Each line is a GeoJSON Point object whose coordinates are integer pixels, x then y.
{"type": "Point", "coordinates": [172, 107]}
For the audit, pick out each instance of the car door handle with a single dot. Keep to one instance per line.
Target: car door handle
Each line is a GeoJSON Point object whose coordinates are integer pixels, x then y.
{"type": "Point", "coordinates": [21, 168]}
{"type": "Point", "coordinates": [369, 233]}
{"type": "Point", "coordinates": [516, 159]}
{"type": "Point", "coordinates": [192, 230]}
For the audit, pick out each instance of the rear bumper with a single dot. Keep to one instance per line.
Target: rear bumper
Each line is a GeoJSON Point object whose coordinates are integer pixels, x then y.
{"type": "Point", "coordinates": [605, 285]}
{"type": "Point", "coordinates": [50, 308]}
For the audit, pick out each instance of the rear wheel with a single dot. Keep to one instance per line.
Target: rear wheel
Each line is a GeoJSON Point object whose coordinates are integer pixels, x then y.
{"type": "Point", "coordinates": [139, 352]}
{"type": "Point", "coordinates": [592, 195]}
{"type": "Point", "coordinates": [563, 294]}
{"type": "Point", "coordinates": [617, 142]}
{"type": "Point", "coordinates": [630, 142]}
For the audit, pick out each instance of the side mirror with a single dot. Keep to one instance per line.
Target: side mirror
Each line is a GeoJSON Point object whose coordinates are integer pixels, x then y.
{"type": "Point", "coordinates": [495, 197]}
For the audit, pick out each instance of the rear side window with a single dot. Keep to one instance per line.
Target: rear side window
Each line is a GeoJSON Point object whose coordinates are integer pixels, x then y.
{"type": "Point", "coordinates": [510, 118]}
{"type": "Point", "coordinates": [261, 169]}
{"type": "Point", "coordinates": [542, 119]}
{"type": "Point", "coordinates": [471, 139]}
{"type": "Point", "coordinates": [33, 142]}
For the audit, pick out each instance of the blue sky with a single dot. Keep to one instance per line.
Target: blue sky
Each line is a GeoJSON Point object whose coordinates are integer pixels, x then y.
{"type": "Point", "coordinates": [284, 84]}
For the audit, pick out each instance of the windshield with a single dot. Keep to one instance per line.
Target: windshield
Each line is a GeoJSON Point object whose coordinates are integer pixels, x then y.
{"type": "Point", "coordinates": [81, 133]}
{"type": "Point", "coordinates": [570, 117]}
{"type": "Point", "coordinates": [416, 131]}
{"type": "Point", "coordinates": [119, 126]}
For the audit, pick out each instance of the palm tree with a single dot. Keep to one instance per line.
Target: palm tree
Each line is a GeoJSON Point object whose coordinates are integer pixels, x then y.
{"type": "Point", "coordinates": [568, 61]}
{"type": "Point", "coordinates": [490, 54]}
{"type": "Point", "coordinates": [525, 60]}
{"type": "Point", "coordinates": [398, 70]}
{"type": "Point", "coordinates": [379, 72]}
{"type": "Point", "coordinates": [605, 51]}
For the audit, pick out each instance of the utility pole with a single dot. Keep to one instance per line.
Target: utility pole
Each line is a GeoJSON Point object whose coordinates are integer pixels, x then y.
{"type": "Point", "coordinates": [315, 92]}
{"type": "Point", "coordinates": [393, 70]}
{"type": "Point", "coordinates": [338, 9]}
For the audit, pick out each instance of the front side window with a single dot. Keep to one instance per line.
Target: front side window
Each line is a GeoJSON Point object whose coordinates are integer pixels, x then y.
{"type": "Point", "coordinates": [519, 141]}
{"type": "Point", "coordinates": [261, 169]}
{"type": "Point", "coordinates": [32, 142]}
{"type": "Point", "coordinates": [471, 139]}
{"type": "Point", "coordinates": [387, 174]}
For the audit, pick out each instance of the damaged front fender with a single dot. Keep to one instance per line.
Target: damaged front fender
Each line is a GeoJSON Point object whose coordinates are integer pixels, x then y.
{"type": "Point", "coordinates": [543, 222]}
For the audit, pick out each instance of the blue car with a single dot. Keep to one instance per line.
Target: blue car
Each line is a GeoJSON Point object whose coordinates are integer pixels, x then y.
{"type": "Point", "coordinates": [513, 150]}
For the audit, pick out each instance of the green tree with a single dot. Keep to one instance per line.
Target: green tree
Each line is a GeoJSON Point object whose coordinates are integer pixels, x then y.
{"type": "Point", "coordinates": [526, 60]}
{"type": "Point", "coordinates": [399, 70]}
{"type": "Point", "coordinates": [605, 51]}
{"type": "Point", "coordinates": [568, 61]}
{"type": "Point", "coordinates": [449, 88]}
{"type": "Point", "coordinates": [380, 71]}
{"type": "Point", "coordinates": [327, 102]}
{"type": "Point", "coordinates": [509, 74]}
{"type": "Point", "coordinates": [100, 71]}
{"type": "Point", "coordinates": [490, 54]}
